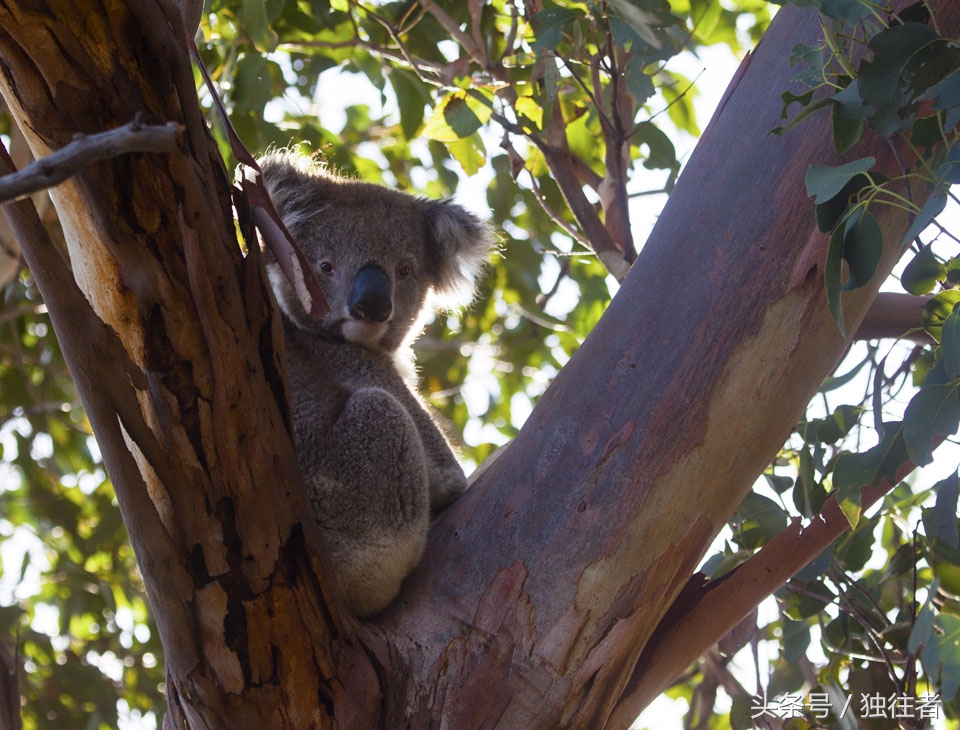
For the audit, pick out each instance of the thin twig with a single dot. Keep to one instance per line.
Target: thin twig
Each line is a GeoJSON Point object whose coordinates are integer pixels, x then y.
{"type": "Point", "coordinates": [419, 65]}
{"type": "Point", "coordinates": [453, 28]}
{"type": "Point", "coordinates": [400, 45]}
{"type": "Point", "coordinates": [67, 161]}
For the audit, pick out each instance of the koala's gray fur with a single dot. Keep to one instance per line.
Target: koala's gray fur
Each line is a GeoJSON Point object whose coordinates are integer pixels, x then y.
{"type": "Point", "coordinates": [375, 463]}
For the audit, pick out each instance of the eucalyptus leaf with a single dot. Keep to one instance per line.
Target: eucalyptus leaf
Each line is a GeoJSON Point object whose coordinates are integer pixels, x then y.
{"type": "Point", "coordinates": [846, 11]}
{"type": "Point", "coordinates": [950, 345]}
{"type": "Point", "coordinates": [931, 209]}
{"type": "Point", "coordinates": [936, 311]}
{"type": "Point", "coordinates": [833, 278]}
{"type": "Point", "coordinates": [640, 20]}
{"type": "Point", "coordinates": [824, 182]}
{"type": "Point", "coordinates": [854, 471]}
{"type": "Point", "coordinates": [923, 272]}
{"type": "Point", "coordinates": [549, 25]}
{"type": "Point", "coordinates": [946, 94]}
{"type": "Point", "coordinates": [412, 96]}
{"type": "Point", "coordinates": [862, 247]}
{"type": "Point", "coordinates": [830, 213]}
{"type": "Point", "coordinates": [846, 131]}
{"type": "Point", "coordinates": [934, 411]}
{"type": "Point", "coordinates": [639, 84]}
{"type": "Point", "coordinates": [884, 78]}
{"type": "Point", "coordinates": [945, 510]}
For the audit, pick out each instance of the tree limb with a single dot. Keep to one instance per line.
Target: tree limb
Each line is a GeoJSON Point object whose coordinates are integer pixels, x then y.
{"type": "Point", "coordinates": [642, 447]}
{"type": "Point", "coordinates": [453, 28]}
{"type": "Point", "coordinates": [894, 316]}
{"type": "Point", "coordinates": [706, 610]}
{"type": "Point", "coordinates": [85, 149]}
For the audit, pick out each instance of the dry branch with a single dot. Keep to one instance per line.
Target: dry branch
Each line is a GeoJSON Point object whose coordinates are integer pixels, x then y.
{"type": "Point", "coordinates": [85, 149]}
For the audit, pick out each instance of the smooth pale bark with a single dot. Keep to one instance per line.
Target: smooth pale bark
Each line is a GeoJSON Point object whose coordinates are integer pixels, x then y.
{"type": "Point", "coordinates": [543, 585]}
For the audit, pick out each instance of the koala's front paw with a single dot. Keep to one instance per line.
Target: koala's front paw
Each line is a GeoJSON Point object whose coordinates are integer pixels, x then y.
{"type": "Point", "coordinates": [447, 483]}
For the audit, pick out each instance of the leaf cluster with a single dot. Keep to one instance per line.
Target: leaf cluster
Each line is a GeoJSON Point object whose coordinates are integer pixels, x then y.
{"type": "Point", "coordinates": [78, 613]}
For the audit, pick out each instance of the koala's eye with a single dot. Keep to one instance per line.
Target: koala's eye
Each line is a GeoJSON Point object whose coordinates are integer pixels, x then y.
{"type": "Point", "coordinates": [403, 271]}
{"type": "Point", "coordinates": [326, 267]}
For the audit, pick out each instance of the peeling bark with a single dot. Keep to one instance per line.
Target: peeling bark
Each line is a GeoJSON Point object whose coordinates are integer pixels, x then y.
{"type": "Point", "coordinates": [169, 334]}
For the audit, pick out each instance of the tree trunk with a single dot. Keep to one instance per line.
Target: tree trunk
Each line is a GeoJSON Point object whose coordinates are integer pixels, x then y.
{"type": "Point", "coordinates": [542, 586]}
{"type": "Point", "coordinates": [184, 386]}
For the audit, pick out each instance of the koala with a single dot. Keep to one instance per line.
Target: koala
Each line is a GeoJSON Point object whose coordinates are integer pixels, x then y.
{"type": "Point", "coordinates": [375, 462]}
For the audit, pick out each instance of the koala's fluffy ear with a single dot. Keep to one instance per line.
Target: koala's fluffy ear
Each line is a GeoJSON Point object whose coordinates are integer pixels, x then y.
{"type": "Point", "coordinates": [295, 184]}
{"type": "Point", "coordinates": [461, 243]}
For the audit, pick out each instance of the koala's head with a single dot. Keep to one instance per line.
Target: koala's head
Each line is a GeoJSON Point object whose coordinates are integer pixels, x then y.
{"type": "Point", "coordinates": [378, 253]}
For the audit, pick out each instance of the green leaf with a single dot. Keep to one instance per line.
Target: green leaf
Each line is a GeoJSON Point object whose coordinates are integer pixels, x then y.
{"type": "Point", "coordinates": [830, 213]}
{"type": "Point", "coordinates": [639, 84]}
{"type": "Point", "coordinates": [950, 342]}
{"type": "Point", "coordinates": [812, 601]}
{"type": "Point", "coordinates": [661, 153]}
{"type": "Point", "coordinates": [529, 113]}
{"type": "Point", "coordinates": [548, 27]}
{"type": "Point", "coordinates": [933, 411]}
{"type": "Point", "coordinates": [945, 511]}
{"type": "Point", "coordinates": [853, 471]}
{"type": "Point", "coordinates": [412, 96]}
{"type": "Point", "coordinates": [949, 171]}
{"type": "Point", "coordinates": [931, 209]}
{"type": "Point", "coordinates": [253, 19]}
{"type": "Point", "coordinates": [457, 116]}
{"type": "Point", "coordinates": [470, 152]}
{"type": "Point", "coordinates": [641, 21]}
{"type": "Point", "coordinates": [850, 104]}
{"type": "Point", "coordinates": [807, 111]}
{"type": "Point", "coordinates": [946, 94]}
{"type": "Point", "coordinates": [940, 656]}
{"type": "Point", "coordinates": [742, 712]}
{"type": "Point", "coordinates": [884, 78]}
{"type": "Point", "coordinates": [757, 520]}
{"type": "Point", "coordinates": [846, 131]}
{"type": "Point", "coordinates": [921, 275]}
{"type": "Point", "coordinates": [833, 278]}
{"type": "Point", "coordinates": [923, 633]}
{"type": "Point", "coordinates": [862, 246]}
{"type": "Point", "coordinates": [846, 11]}
{"type": "Point", "coordinates": [936, 311]}
{"type": "Point", "coordinates": [795, 638]}
{"type": "Point", "coordinates": [825, 182]}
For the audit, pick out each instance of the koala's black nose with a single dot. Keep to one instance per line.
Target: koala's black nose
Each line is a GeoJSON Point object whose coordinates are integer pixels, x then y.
{"type": "Point", "coordinates": [370, 298]}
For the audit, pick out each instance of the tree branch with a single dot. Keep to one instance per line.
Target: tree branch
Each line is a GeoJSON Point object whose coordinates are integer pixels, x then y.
{"type": "Point", "coordinates": [893, 316]}
{"type": "Point", "coordinates": [86, 149]}
{"type": "Point", "coordinates": [453, 28]}
{"type": "Point", "coordinates": [560, 160]}
{"type": "Point", "coordinates": [706, 610]}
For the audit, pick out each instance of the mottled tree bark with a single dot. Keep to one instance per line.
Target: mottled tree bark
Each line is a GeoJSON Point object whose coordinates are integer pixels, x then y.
{"type": "Point", "coordinates": [170, 337]}
{"type": "Point", "coordinates": [543, 585]}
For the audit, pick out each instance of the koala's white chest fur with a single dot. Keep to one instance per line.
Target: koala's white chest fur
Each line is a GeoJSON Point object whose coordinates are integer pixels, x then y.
{"type": "Point", "coordinates": [375, 462]}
